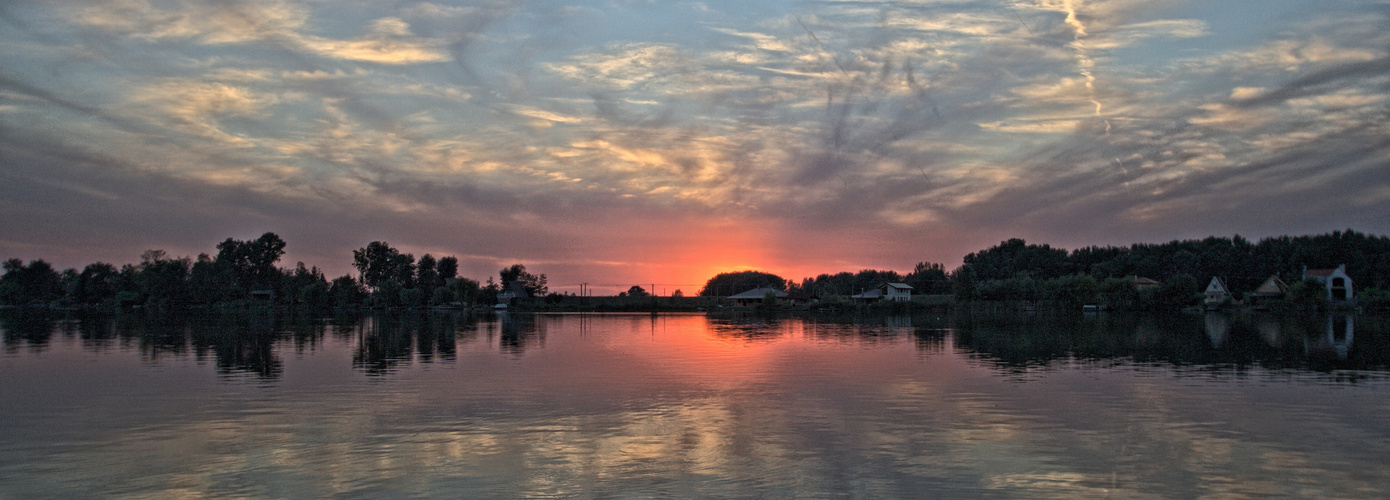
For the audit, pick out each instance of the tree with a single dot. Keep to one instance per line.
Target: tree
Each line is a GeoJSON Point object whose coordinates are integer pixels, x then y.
{"type": "Point", "coordinates": [97, 283]}
{"type": "Point", "coordinates": [725, 284]}
{"type": "Point", "coordinates": [379, 264]}
{"type": "Point", "coordinates": [36, 283]}
{"type": "Point", "coordinates": [465, 290]}
{"type": "Point", "coordinates": [345, 291]}
{"type": "Point", "coordinates": [964, 283]}
{"type": "Point", "coordinates": [163, 280]}
{"type": "Point", "coordinates": [928, 278]}
{"type": "Point", "coordinates": [253, 262]}
{"type": "Point", "coordinates": [448, 268]}
{"type": "Point", "coordinates": [636, 291]}
{"type": "Point", "coordinates": [427, 273]}
{"type": "Point", "coordinates": [1015, 255]}
{"type": "Point", "coordinates": [1074, 290]}
{"type": "Point", "coordinates": [535, 285]}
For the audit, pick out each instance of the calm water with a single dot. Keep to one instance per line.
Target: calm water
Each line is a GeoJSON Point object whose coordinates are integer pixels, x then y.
{"type": "Point", "coordinates": [583, 406]}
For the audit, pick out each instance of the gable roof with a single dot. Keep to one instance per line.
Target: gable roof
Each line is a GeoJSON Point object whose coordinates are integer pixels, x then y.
{"type": "Point", "coordinates": [759, 293]}
{"type": "Point", "coordinates": [900, 286]}
{"type": "Point", "coordinates": [1216, 285]}
{"type": "Point", "coordinates": [872, 293]}
{"type": "Point", "coordinates": [1140, 280]}
{"type": "Point", "coordinates": [1271, 287]}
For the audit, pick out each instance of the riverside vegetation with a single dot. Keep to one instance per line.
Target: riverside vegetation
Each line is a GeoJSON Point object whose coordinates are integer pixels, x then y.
{"type": "Point", "coordinates": [245, 274]}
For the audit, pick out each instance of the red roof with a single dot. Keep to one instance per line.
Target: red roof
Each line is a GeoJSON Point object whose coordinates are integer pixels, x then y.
{"type": "Point", "coordinates": [1320, 272]}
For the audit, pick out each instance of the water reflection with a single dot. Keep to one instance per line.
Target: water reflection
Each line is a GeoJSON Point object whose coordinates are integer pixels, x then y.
{"type": "Point", "coordinates": [1215, 339]}
{"type": "Point", "coordinates": [254, 343]}
{"type": "Point", "coordinates": [507, 406]}
{"type": "Point", "coordinates": [251, 343]}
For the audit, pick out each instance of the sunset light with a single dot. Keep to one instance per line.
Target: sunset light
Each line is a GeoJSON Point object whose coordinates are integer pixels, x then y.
{"type": "Point", "coordinates": [664, 142]}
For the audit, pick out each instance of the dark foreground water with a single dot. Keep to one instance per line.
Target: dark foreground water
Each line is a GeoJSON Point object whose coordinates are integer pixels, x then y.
{"type": "Point", "coordinates": [435, 405]}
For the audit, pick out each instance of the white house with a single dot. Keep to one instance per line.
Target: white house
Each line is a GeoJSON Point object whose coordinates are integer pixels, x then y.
{"type": "Point", "coordinates": [1336, 281]}
{"type": "Point", "coordinates": [510, 290]}
{"type": "Point", "coordinates": [892, 292]}
{"type": "Point", "coordinates": [1216, 293]}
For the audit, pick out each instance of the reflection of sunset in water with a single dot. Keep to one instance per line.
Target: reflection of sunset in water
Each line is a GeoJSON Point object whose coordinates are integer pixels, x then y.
{"type": "Point", "coordinates": [594, 405]}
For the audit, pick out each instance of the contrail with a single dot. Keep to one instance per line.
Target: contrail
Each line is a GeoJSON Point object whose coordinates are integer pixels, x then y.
{"type": "Point", "coordinates": [1010, 5]}
{"type": "Point", "coordinates": [1083, 59]}
{"type": "Point", "coordinates": [822, 45]}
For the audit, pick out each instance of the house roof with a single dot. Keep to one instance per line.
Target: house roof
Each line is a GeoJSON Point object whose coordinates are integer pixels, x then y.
{"type": "Point", "coordinates": [1140, 280]}
{"type": "Point", "coordinates": [900, 286]}
{"type": "Point", "coordinates": [1320, 272]}
{"type": "Point", "coordinates": [758, 293]}
{"type": "Point", "coordinates": [1271, 287]}
{"type": "Point", "coordinates": [869, 294]}
{"type": "Point", "coordinates": [515, 289]}
{"type": "Point", "coordinates": [1216, 285]}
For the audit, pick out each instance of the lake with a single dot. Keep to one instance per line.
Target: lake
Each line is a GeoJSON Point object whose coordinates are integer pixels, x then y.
{"type": "Point", "coordinates": [981, 405]}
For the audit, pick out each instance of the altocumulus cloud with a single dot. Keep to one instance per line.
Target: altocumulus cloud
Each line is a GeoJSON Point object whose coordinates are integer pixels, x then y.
{"type": "Point", "coordinates": [600, 139]}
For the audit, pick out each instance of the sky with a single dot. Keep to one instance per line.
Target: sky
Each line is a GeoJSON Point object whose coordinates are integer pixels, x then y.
{"type": "Point", "coordinates": [625, 142]}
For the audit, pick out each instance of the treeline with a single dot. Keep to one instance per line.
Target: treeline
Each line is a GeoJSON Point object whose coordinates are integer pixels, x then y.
{"type": "Point", "coordinates": [1015, 270]}
{"type": "Point", "coordinates": [926, 278]}
{"type": "Point", "coordinates": [245, 273]}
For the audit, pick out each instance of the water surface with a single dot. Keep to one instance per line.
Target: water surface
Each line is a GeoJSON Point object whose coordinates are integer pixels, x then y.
{"type": "Point", "coordinates": [977, 405]}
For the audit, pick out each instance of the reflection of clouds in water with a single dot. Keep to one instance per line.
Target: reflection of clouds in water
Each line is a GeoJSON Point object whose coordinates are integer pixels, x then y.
{"type": "Point", "coordinates": [636, 407]}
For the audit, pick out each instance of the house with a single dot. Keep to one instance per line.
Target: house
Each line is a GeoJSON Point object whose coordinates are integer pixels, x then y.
{"type": "Point", "coordinates": [802, 298]}
{"type": "Point", "coordinates": [1338, 284]}
{"type": "Point", "coordinates": [1216, 293]}
{"type": "Point", "coordinates": [510, 290]}
{"type": "Point", "coordinates": [755, 296]}
{"type": "Point", "coordinates": [262, 295]}
{"type": "Point", "coordinates": [1272, 289]}
{"type": "Point", "coordinates": [1141, 283]}
{"type": "Point", "coordinates": [891, 292]}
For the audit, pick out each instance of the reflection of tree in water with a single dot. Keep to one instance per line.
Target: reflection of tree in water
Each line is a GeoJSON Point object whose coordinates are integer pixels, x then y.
{"type": "Point", "coordinates": [747, 327]}
{"type": "Point", "coordinates": [30, 328]}
{"type": "Point", "coordinates": [928, 331]}
{"type": "Point", "coordinates": [1018, 342]}
{"type": "Point", "coordinates": [519, 332]}
{"type": "Point", "coordinates": [388, 341]}
{"type": "Point", "coordinates": [239, 343]}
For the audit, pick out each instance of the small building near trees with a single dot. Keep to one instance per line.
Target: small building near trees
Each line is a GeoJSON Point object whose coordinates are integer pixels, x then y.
{"type": "Point", "coordinates": [756, 296]}
{"type": "Point", "coordinates": [1141, 283]}
{"type": "Point", "coordinates": [1216, 293]}
{"type": "Point", "coordinates": [511, 290]}
{"type": "Point", "coordinates": [890, 292]}
{"type": "Point", "coordinates": [1336, 281]}
{"type": "Point", "coordinates": [1272, 289]}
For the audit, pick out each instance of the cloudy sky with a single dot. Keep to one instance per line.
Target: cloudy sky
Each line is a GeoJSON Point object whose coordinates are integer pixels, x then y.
{"type": "Point", "coordinates": [627, 141]}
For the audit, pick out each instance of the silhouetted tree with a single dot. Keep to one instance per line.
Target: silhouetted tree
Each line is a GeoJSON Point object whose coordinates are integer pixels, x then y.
{"type": "Point", "coordinates": [36, 283]}
{"type": "Point", "coordinates": [636, 291]}
{"type": "Point", "coordinates": [725, 284]}
{"type": "Point", "coordinates": [163, 281]}
{"type": "Point", "coordinates": [448, 268]}
{"type": "Point", "coordinates": [380, 264]}
{"type": "Point", "coordinates": [928, 278]}
{"type": "Point", "coordinates": [253, 262]}
{"type": "Point", "coordinates": [535, 284]}
{"type": "Point", "coordinates": [346, 292]}
{"type": "Point", "coordinates": [97, 283]}
{"type": "Point", "coordinates": [427, 273]}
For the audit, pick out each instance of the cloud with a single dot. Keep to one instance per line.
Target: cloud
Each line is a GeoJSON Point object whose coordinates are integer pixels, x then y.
{"type": "Point", "coordinates": [389, 40]}
{"type": "Point", "coordinates": [936, 126]}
